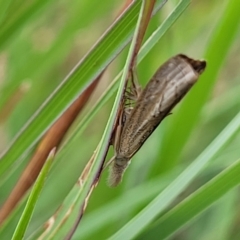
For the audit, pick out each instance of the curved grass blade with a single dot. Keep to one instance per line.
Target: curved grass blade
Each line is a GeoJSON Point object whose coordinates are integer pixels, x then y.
{"type": "Point", "coordinates": [64, 218]}
{"type": "Point", "coordinates": [195, 203]}
{"type": "Point", "coordinates": [178, 133]}
{"type": "Point", "coordinates": [222, 104]}
{"type": "Point", "coordinates": [32, 200]}
{"type": "Point", "coordinates": [109, 213]}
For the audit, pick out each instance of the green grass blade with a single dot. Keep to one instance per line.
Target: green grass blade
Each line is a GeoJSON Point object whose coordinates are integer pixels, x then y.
{"type": "Point", "coordinates": [222, 104]}
{"type": "Point", "coordinates": [32, 200]}
{"type": "Point", "coordinates": [220, 223]}
{"type": "Point", "coordinates": [195, 203]}
{"type": "Point", "coordinates": [163, 200]}
{"type": "Point", "coordinates": [189, 111]}
{"type": "Point", "coordinates": [163, 28]}
{"type": "Point", "coordinates": [66, 215]}
{"type": "Point", "coordinates": [109, 213]}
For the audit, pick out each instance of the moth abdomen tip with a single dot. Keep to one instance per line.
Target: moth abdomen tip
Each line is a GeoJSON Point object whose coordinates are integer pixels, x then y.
{"type": "Point", "coordinates": [115, 176]}
{"type": "Point", "coordinates": [116, 172]}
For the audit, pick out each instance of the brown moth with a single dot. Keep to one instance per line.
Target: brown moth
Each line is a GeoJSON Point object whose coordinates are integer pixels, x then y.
{"type": "Point", "coordinates": [166, 88]}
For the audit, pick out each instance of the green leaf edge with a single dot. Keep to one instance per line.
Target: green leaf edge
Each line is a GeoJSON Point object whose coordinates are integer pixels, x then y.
{"type": "Point", "coordinates": [32, 200]}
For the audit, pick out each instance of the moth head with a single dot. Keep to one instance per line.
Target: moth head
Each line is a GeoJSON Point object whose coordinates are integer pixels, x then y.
{"type": "Point", "coordinates": [198, 65]}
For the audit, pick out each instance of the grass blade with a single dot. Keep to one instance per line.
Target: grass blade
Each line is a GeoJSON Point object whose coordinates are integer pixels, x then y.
{"type": "Point", "coordinates": [183, 124]}
{"type": "Point", "coordinates": [28, 211]}
{"type": "Point", "coordinates": [195, 203]}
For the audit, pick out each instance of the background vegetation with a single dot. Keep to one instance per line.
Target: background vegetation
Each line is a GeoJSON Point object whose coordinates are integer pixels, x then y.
{"type": "Point", "coordinates": [184, 169]}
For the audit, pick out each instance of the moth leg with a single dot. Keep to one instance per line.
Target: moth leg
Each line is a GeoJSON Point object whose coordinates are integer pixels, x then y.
{"type": "Point", "coordinates": [116, 135]}
{"type": "Point", "coordinates": [130, 95]}
{"type": "Point", "coordinates": [108, 163]}
{"type": "Point", "coordinates": [114, 140]}
{"type": "Point", "coordinates": [117, 131]}
{"type": "Point", "coordinates": [121, 121]}
{"type": "Point", "coordinates": [117, 125]}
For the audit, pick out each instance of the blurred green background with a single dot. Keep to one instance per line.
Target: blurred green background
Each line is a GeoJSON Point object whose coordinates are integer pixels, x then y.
{"type": "Point", "coordinates": [42, 41]}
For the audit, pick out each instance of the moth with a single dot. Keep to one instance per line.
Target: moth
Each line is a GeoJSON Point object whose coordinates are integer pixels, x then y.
{"type": "Point", "coordinates": [167, 87]}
